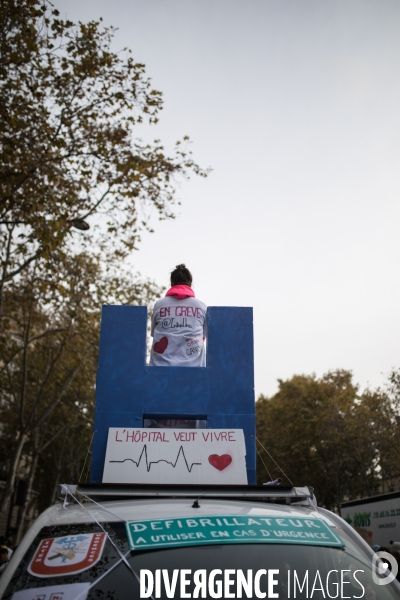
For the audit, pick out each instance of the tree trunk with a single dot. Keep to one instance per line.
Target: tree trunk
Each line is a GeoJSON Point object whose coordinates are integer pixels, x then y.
{"type": "Point", "coordinates": [27, 500]}
{"type": "Point", "coordinates": [12, 472]}
{"type": "Point", "coordinates": [58, 465]}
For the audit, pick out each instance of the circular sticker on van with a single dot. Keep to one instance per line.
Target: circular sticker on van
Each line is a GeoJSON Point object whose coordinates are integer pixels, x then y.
{"type": "Point", "coordinates": [67, 555]}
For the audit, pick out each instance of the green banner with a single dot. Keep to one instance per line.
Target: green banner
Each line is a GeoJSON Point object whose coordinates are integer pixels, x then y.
{"type": "Point", "coordinates": [229, 529]}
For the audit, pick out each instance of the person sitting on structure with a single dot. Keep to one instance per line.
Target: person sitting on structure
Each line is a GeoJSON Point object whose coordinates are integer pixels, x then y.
{"type": "Point", "coordinates": [178, 325]}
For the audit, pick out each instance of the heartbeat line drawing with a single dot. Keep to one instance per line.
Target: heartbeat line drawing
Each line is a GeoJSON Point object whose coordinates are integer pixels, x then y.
{"type": "Point", "coordinates": [154, 462]}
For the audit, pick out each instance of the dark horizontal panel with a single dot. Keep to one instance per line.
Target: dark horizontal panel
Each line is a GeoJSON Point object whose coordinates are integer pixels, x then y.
{"type": "Point", "coordinates": [114, 491]}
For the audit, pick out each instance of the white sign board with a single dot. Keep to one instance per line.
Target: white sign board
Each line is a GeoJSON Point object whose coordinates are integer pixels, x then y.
{"type": "Point", "coordinates": [381, 517]}
{"type": "Point", "coordinates": [175, 456]}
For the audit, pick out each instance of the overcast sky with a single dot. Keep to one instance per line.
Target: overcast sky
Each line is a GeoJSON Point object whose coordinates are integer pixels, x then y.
{"type": "Point", "coordinates": [295, 104]}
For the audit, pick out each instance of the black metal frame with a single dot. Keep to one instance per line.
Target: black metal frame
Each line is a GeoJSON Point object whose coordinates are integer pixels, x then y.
{"type": "Point", "coordinates": [116, 491]}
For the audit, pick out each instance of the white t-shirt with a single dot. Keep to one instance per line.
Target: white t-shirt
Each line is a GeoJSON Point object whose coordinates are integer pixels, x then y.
{"type": "Point", "coordinates": [178, 328]}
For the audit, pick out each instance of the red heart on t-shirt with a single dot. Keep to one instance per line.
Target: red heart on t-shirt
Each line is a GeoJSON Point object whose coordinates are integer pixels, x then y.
{"type": "Point", "coordinates": [161, 345]}
{"type": "Point", "coordinates": [220, 462]}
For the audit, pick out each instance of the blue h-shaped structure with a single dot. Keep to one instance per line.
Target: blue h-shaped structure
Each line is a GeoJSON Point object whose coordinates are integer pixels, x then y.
{"type": "Point", "coordinates": [128, 390]}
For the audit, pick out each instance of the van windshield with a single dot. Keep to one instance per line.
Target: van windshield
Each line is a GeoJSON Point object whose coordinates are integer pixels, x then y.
{"type": "Point", "coordinates": [112, 571]}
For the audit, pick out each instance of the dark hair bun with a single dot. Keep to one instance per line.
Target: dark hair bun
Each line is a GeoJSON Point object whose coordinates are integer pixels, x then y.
{"type": "Point", "coordinates": [181, 275]}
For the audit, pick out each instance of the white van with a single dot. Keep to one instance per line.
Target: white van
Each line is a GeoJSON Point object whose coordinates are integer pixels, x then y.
{"type": "Point", "coordinates": [125, 542]}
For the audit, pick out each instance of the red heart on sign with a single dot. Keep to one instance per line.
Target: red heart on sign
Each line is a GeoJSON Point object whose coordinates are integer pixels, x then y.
{"type": "Point", "coordinates": [161, 345]}
{"type": "Point", "coordinates": [220, 462]}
